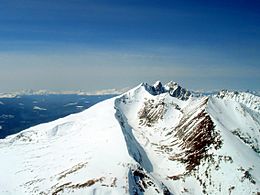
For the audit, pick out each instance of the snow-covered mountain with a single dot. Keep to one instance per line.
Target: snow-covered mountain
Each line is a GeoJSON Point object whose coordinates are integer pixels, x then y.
{"type": "Point", "coordinates": [150, 140]}
{"type": "Point", "coordinates": [47, 92]}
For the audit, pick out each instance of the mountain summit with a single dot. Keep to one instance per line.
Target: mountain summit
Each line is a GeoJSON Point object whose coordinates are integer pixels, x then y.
{"type": "Point", "coordinates": [153, 139]}
{"type": "Point", "coordinates": [172, 88]}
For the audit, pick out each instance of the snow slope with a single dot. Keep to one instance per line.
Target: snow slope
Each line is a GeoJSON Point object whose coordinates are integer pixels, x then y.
{"type": "Point", "coordinates": [150, 140]}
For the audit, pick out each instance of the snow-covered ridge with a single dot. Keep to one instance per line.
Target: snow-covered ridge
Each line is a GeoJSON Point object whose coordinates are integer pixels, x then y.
{"type": "Point", "coordinates": [248, 99]}
{"type": "Point", "coordinates": [153, 139]}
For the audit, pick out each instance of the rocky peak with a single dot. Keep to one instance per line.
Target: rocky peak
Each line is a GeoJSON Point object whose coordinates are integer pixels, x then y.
{"type": "Point", "coordinates": [158, 87]}
{"type": "Point", "coordinates": [173, 88]}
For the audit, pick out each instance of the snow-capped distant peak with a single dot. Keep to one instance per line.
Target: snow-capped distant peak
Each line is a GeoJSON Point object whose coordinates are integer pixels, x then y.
{"type": "Point", "coordinates": [173, 88]}
{"type": "Point", "coordinates": [158, 88]}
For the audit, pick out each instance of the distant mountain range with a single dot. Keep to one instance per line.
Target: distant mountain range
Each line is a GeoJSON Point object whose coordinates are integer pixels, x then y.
{"type": "Point", "coordinates": [77, 92]}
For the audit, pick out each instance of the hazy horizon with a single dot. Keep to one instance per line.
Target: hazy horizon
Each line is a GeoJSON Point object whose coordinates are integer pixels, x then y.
{"type": "Point", "coordinates": [96, 45]}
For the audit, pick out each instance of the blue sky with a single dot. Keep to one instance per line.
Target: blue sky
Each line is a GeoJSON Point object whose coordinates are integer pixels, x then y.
{"type": "Point", "coordinates": [91, 45]}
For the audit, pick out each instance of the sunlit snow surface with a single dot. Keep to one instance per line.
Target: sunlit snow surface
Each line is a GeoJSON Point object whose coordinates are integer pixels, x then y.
{"type": "Point", "coordinates": [23, 111]}
{"type": "Point", "coordinates": [140, 143]}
